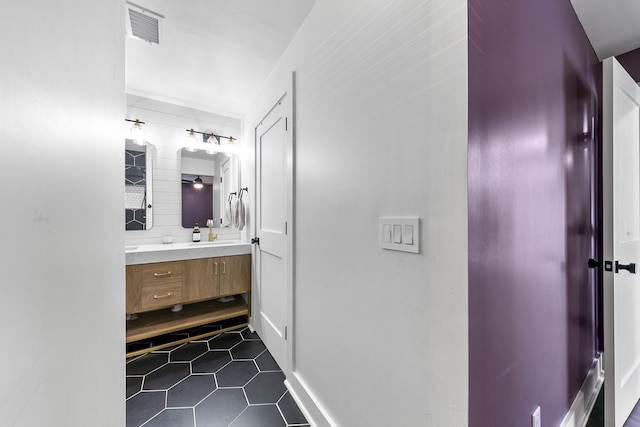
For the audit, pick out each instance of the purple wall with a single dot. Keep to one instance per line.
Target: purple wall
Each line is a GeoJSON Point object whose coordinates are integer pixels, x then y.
{"type": "Point", "coordinates": [631, 62]}
{"type": "Point", "coordinates": [532, 337]}
{"type": "Point", "coordinates": [197, 205]}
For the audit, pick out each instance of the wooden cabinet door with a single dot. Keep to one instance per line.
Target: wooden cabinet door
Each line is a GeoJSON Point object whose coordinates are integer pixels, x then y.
{"type": "Point", "coordinates": [235, 274]}
{"type": "Point", "coordinates": [200, 279]}
{"type": "Point", "coordinates": [134, 288]}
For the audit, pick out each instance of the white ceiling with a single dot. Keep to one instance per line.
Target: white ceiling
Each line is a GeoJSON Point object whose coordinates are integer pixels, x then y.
{"type": "Point", "coordinates": [613, 26]}
{"type": "Point", "coordinates": [213, 54]}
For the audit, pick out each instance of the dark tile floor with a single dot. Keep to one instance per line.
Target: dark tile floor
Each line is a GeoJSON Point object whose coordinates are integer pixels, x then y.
{"type": "Point", "coordinates": [227, 380]}
{"type": "Point", "coordinates": [634, 418]}
{"type": "Point", "coordinates": [596, 418]}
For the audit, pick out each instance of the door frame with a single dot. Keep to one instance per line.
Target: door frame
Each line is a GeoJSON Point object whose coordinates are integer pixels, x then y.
{"type": "Point", "coordinates": [289, 108]}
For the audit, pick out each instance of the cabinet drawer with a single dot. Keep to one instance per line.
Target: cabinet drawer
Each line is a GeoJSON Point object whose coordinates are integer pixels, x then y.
{"type": "Point", "coordinates": [161, 295]}
{"type": "Point", "coordinates": [161, 273]}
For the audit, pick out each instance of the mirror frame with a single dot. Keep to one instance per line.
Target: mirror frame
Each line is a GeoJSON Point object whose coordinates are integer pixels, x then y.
{"type": "Point", "coordinates": [149, 151]}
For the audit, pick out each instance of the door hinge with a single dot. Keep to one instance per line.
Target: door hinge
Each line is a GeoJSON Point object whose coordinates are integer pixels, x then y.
{"type": "Point", "coordinates": [286, 123]}
{"type": "Point", "coordinates": [285, 333]}
{"type": "Point", "coordinates": [220, 179]}
{"type": "Point", "coordinates": [286, 228]}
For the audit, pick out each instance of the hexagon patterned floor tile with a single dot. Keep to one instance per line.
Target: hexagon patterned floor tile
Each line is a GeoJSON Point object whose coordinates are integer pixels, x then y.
{"type": "Point", "coordinates": [266, 387]}
{"type": "Point", "coordinates": [228, 380]}
{"type": "Point", "coordinates": [191, 391]}
{"type": "Point", "coordinates": [225, 341]}
{"type": "Point", "coordinates": [211, 361]}
{"type": "Point", "coordinates": [189, 352]}
{"type": "Point", "coordinates": [237, 373]}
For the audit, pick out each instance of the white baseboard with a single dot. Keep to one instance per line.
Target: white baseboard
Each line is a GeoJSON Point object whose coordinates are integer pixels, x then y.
{"type": "Point", "coordinates": [578, 414]}
{"type": "Point", "coordinates": [315, 414]}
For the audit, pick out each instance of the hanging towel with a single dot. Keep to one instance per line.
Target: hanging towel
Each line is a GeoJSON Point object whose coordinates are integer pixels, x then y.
{"type": "Point", "coordinates": [234, 213]}
{"type": "Point", "coordinates": [241, 214]}
{"type": "Point", "coordinates": [238, 214]}
{"type": "Point", "coordinates": [228, 218]}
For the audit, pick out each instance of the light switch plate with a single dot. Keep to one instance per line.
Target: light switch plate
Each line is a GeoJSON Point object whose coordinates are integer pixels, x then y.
{"type": "Point", "coordinates": [400, 234]}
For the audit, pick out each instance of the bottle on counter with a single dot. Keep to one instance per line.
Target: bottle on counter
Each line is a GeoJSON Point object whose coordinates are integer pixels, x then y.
{"type": "Point", "coordinates": [196, 233]}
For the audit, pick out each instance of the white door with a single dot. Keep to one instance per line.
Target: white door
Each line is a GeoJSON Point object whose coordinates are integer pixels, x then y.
{"type": "Point", "coordinates": [272, 201]}
{"type": "Point", "coordinates": [621, 197]}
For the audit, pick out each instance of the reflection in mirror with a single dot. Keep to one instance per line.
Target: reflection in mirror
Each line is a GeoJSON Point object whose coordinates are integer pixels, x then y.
{"type": "Point", "coordinates": [137, 186]}
{"type": "Point", "coordinates": [219, 175]}
{"type": "Point", "coordinates": [197, 199]}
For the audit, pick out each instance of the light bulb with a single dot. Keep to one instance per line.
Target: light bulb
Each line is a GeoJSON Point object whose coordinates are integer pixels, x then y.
{"type": "Point", "coordinates": [136, 133]}
{"type": "Point", "coordinates": [197, 183]}
{"type": "Point", "coordinates": [192, 139]}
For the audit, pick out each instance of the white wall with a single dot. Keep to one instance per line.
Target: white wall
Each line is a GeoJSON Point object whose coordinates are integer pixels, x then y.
{"type": "Point", "coordinates": [165, 128]}
{"type": "Point", "coordinates": [61, 168]}
{"type": "Point", "coordinates": [381, 130]}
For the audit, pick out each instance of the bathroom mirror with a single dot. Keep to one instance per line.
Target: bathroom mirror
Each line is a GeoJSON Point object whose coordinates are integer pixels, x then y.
{"type": "Point", "coordinates": [217, 172]}
{"type": "Point", "coordinates": [137, 185]}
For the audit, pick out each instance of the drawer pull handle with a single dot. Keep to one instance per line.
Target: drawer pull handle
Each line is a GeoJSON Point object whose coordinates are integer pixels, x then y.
{"type": "Point", "coordinates": [224, 267]}
{"type": "Point", "coordinates": [162, 296]}
{"type": "Point", "coordinates": [162, 274]}
{"type": "Point", "coordinates": [216, 273]}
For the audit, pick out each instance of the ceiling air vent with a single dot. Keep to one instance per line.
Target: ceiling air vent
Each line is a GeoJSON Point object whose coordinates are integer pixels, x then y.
{"type": "Point", "coordinates": [143, 24]}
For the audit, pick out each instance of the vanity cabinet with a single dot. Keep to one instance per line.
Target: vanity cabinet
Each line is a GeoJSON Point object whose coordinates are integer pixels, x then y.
{"type": "Point", "coordinates": [216, 277]}
{"type": "Point", "coordinates": [202, 275]}
{"type": "Point", "coordinates": [235, 277]}
{"type": "Point", "coordinates": [153, 288]}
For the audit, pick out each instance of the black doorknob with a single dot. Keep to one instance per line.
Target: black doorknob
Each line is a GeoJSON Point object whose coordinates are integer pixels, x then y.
{"type": "Point", "coordinates": [593, 263]}
{"type": "Point", "coordinates": [255, 240]}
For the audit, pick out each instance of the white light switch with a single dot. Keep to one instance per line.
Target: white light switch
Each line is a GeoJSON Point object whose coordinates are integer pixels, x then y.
{"type": "Point", "coordinates": [400, 234]}
{"type": "Point", "coordinates": [386, 233]}
{"type": "Point", "coordinates": [397, 233]}
{"type": "Point", "coordinates": [408, 234]}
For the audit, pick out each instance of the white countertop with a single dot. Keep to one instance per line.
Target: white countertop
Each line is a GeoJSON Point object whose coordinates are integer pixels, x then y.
{"type": "Point", "coordinates": [144, 254]}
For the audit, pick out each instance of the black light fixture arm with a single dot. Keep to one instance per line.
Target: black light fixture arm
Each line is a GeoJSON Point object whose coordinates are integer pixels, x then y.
{"type": "Point", "coordinates": [207, 135]}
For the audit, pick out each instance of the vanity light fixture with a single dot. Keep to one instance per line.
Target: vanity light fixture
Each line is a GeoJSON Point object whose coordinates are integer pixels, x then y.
{"type": "Point", "coordinates": [192, 139]}
{"type": "Point", "coordinates": [136, 133]}
{"type": "Point", "coordinates": [207, 137]}
{"type": "Point", "coordinates": [197, 183]}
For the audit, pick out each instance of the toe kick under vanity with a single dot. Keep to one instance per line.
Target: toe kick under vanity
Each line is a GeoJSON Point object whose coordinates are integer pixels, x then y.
{"type": "Point", "coordinates": [179, 286]}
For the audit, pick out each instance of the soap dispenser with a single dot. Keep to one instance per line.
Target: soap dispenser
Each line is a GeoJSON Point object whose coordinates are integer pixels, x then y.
{"type": "Point", "coordinates": [196, 233]}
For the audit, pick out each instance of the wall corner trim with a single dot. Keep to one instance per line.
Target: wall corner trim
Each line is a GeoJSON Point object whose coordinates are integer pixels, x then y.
{"type": "Point", "coordinates": [578, 414]}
